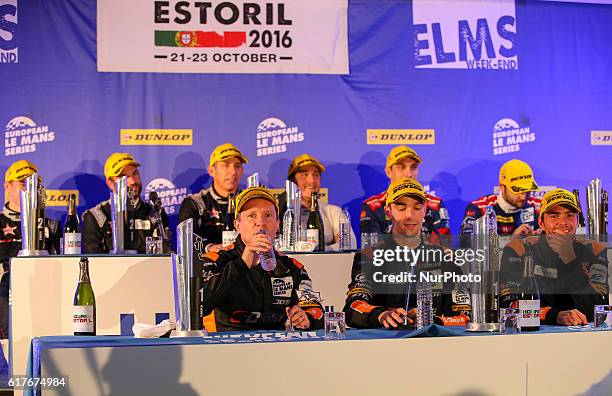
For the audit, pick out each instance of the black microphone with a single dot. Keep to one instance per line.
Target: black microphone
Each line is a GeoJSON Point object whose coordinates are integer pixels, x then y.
{"type": "Point", "coordinates": [154, 198]}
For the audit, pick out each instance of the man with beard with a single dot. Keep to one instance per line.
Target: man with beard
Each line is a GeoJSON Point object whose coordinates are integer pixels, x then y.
{"type": "Point", "coordinates": [516, 208]}
{"type": "Point", "coordinates": [208, 208]}
{"type": "Point", "coordinates": [403, 162]}
{"type": "Point", "coordinates": [372, 303]}
{"type": "Point", "coordinates": [306, 171]}
{"type": "Point", "coordinates": [97, 232]}
{"type": "Point", "coordinates": [571, 273]}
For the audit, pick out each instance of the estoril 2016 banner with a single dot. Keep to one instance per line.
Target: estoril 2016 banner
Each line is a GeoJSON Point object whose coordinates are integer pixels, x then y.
{"type": "Point", "coordinates": [272, 36]}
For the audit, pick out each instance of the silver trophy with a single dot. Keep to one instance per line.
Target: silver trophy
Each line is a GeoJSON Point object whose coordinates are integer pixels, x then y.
{"type": "Point", "coordinates": [597, 210]}
{"type": "Point", "coordinates": [300, 234]}
{"type": "Point", "coordinates": [186, 304]}
{"type": "Point", "coordinates": [484, 294]}
{"type": "Point", "coordinates": [253, 180]}
{"type": "Point", "coordinates": [118, 203]}
{"type": "Point", "coordinates": [32, 216]}
{"type": "Point", "coordinates": [290, 220]}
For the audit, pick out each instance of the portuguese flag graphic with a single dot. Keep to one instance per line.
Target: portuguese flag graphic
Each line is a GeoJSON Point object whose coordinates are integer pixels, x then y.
{"type": "Point", "coordinates": [200, 39]}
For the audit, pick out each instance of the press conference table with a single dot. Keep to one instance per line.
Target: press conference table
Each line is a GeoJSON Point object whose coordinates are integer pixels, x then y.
{"type": "Point", "coordinates": [431, 361]}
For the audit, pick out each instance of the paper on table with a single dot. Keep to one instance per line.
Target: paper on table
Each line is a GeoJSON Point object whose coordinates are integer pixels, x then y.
{"type": "Point", "coordinates": [142, 330]}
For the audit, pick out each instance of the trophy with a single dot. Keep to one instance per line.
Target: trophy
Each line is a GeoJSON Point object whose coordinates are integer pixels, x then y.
{"type": "Point", "coordinates": [253, 180]}
{"type": "Point", "coordinates": [597, 210]}
{"type": "Point", "coordinates": [484, 294]}
{"type": "Point", "coordinates": [186, 285]}
{"type": "Point", "coordinates": [291, 218]}
{"type": "Point", "coordinates": [118, 203]}
{"type": "Point", "coordinates": [32, 217]}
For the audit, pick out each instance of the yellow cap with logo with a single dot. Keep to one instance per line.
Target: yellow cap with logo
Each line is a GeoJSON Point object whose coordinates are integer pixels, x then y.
{"type": "Point", "coordinates": [399, 153]}
{"type": "Point", "coordinates": [405, 187]}
{"type": "Point", "coordinates": [302, 161]}
{"type": "Point", "coordinates": [517, 176]}
{"type": "Point", "coordinates": [226, 151]}
{"type": "Point", "coordinates": [116, 162]}
{"type": "Point", "coordinates": [19, 170]}
{"type": "Point", "coordinates": [556, 197]}
{"type": "Point", "coordinates": [252, 193]}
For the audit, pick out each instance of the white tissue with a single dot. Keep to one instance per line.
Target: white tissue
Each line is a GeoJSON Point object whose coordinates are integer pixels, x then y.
{"type": "Point", "coordinates": [143, 330]}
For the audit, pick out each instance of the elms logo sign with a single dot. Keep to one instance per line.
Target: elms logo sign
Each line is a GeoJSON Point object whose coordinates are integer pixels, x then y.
{"type": "Point", "coordinates": [463, 34]}
{"type": "Point", "coordinates": [8, 29]}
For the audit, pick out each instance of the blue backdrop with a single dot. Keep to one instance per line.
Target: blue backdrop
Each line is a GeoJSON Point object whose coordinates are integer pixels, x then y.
{"type": "Point", "coordinates": [561, 91]}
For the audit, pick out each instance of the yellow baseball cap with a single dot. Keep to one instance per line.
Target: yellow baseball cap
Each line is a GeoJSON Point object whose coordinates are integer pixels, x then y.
{"type": "Point", "coordinates": [518, 176]}
{"type": "Point", "coordinates": [302, 161]}
{"type": "Point", "coordinates": [116, 162]}
{"type": "Point", "coordinates": [226, 151]}
{"type": "Point", "coordinates": [556, 197]}
{"type": "Point", "coordinates": [252, 193]}
{"type": "Point", "coordinates": [399, 153]}
{"type": "Point", "coordinates": [19, 170]}
{"type": "Point", "coordinates": [406, 186]}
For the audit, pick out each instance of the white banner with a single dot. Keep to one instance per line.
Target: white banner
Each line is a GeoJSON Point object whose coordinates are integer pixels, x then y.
{"type": "Point", "coordinates": [256, 36]}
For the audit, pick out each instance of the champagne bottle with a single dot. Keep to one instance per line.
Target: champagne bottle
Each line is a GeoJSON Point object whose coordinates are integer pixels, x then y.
{"type": "Point", "coordinates": [229, 234]}
{"type": "Point", "coordinates": [72, 229]}
{"type": "Point", "coordinates": [84, 307]}
{"type": "Point", "coordinates": [315, 233]}
{"type": "Point", "coordinates": [581, 230]}
{"type": "Point", "coordinates": [529, 299]}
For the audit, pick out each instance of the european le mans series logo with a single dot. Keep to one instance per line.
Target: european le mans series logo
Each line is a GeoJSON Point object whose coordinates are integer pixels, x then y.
{"type": "Point", "coordinates": [273, 136]}
{"type": "Point", "coordinates": [401, 136]}
{"type": "Point", "coordinates": [8, 31]}
{"type": "Point", "coordinates": [22, 135]}
{"type": "Point", "coordinates": [156, 137]}
{"type": "Point", "coordinates": [509, 135]}
{"type": "Point", "coordinates": [463, 34]}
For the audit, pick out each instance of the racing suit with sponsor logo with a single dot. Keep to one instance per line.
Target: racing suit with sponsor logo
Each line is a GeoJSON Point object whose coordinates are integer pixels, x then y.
{"type": "Point", "coordinates": [580, 284]}
{"type": "Point", "coordinates": [243, 298]}
{"type": "Point", "coordinates": [10, 244]}
{"type": "Point", "coordinates": [373, 219]}
{"type": "Point", "coordinates": [509, 218]}
{"type": "Point", "coordinates": [208, 210]}
{"type": "Point", "coordinates": [366, 300]}
{"type": "Point", "coordinates": [97, 232]}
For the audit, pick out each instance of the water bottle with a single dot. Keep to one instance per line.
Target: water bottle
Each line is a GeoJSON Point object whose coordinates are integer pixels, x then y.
{"type": "Point", "coordinates": [345, 230]}
{"type": "Point", "coordinates": [424, 298]}
{"type": "Point", "coordinates": [289, 237]}
{"type": "Point", "coordinates": [267, 259]}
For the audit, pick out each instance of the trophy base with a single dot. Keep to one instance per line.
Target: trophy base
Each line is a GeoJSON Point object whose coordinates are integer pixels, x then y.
{"type": "Point", "coordinates": [481, 327]}
{"type": "Point", "coordinates": [126, 252]}
{"type": "Point", "coordinates": [188, 333]}
{"type": "Point", "coordinates": [32, 252]}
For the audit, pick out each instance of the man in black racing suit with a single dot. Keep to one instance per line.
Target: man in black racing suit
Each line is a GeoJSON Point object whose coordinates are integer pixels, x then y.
{"type": "Point", "coordinates": [239, 293]}
{"type": "Point", "coordinates": [372, 301]}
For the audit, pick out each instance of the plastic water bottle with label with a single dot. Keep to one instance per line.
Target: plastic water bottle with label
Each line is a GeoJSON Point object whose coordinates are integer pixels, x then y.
{"type": "Point", "coordinates": [424, 296]}
{"type": "Point", "coordinates": [267, 259]}
{"type": "Point", "coordinates": [344, 228]}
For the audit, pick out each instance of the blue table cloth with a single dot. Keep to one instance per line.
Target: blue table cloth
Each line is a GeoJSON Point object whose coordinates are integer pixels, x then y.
{"type": "Point", "coordinates": [41, 343]}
